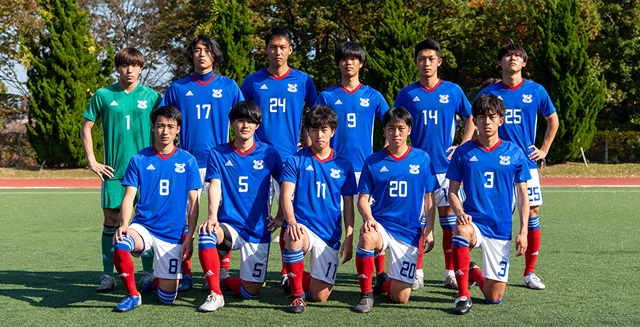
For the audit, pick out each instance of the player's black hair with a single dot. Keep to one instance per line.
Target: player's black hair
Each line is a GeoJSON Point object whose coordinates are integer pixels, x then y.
{"type": "Point", "coordinates": [277, 32]}
{"type": "Point", "coordinates": [513, 49]}
{"type": "Point", "coordinates": [427, 44]}
{"type": "Point", "coordinates": [211, 45]}
{"type": "Point", "coordinates": [397, 114]}
{"type": "Point", "coordinates": [488, 104]}
{"type": "Point", "coordinates": [320, 116]}
{"type": "Point", "coordinates": [247, 110]}
{"type": "Point", "coordinates": [168, 111]}
{"type": "Point", "coordinates": [129, 56]}
{"type": "Point", "coordinates": [348, 50]}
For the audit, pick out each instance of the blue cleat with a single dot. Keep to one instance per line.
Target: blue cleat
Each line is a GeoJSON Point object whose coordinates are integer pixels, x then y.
{"type": "Point", "coordinates": [148, 288]}
{"type": "Point", "coordinates": [185, 283]}
{"type": "Point", "coordinates": [129, 303]}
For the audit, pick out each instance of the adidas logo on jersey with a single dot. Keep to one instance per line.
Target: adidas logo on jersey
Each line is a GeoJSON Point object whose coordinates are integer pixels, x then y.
{"type": "Point", "coordinates": [309, 168]}
{"type": "Point", "coordinates": [416, 99]}
{"type": "Point", "coordinates": [338, 102]}
{"type": "Point", "coordinates": [527, 98]}
{"type": "Point", "coordinates": [229, 164]}
{"type": "Point", "coordinates": [264, 87]}
{"type": "Point", "coordinates": [384, 169]}
{"type": "Point", "coordinates": [189, 94]}
{"type": "Point", "coordinates": [504, 160]}
{"type": "Point", "coordinates": [414, 169]}
{"type": "Point", "coordinates": [473, 158]}
{"type": "Point", "coordinates": [335, 173]}
{"type": "Point", "coordinates": [114, 103]}
{"type": "Point", "coordinates": [499, 97]}
{"type": "Point", "coordinates": [459, 272]}
{"type": "Point", "coordinates": [180, 168]}
{"type": "Point", "coordinates": [151, 167]}
{"type": "Point", "coordinates": [209, 273]}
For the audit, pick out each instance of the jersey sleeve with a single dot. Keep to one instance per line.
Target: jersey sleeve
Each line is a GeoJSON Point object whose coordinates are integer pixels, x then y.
{"type": "Point", "coordinates": [432, 181]}
{"type": "Point", "coordinates": [131, 177]}
{"type": "Point", "coordinates": [454, 172]}
{"type": "Point", "coordinates": [399, 99]}
{"type": "Point", "coordinates": [92, 112]}
{"type": "Point", "coordinates": [290, 171]}
{"type": "Point", "coordinates": [195, 182]}
{"type": "Point", "coordinates": [522, 167]}
{"type": "Point", "coordinates": [545, 106]}
{"type": "Point", "coordinates": [350, 187]}
{"type": "Point", "coordinates": [311, 93]}
{"type": "Point", "coordinates": [213, 168]}
{"type": "Point", "coordinates": [321, 100]}
{"type": "Point", "coordinates": [156, 103]}
{"type": "Point", "coordinates": [366, 180]}
{"type": "Point", "coordinates": [169, 96]}
{"type": "Point", "coordinates": [247, 91]}
{"type": "Point", "coordinates": [275, 158]}
{"type": "Point", "coordinates": [382, 106]}
{"type": "Point", "coordinates": [236, 94]}
{"type": "Point", "coordinates": [464, 107]}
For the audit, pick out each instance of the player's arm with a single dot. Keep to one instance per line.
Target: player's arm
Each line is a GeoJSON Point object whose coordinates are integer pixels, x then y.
{"type": "Point", "coordinates": [467, 135]}
{"type": "Point", "coordinates": [456, 204]}
{"type": "Point", "coordinates": [430, 211]}
{"type": "Point", "coordinates": [126, 209]}
{"type": "Point", "coordinates": [294, 230]}
{"type": "Point", "coordinates": [346, 250]}
{"type": "Point", "coordinates": [523, 210]}
{"type": "Point", "coordinates": [275, 223]}
{"type": "Point", "coordinates": [552, 128]}
{"type": "Point", "coordinates": [215, 193]}
{"type": "Point", "coordinates": [365, 212]}
{"type": "Point", "coordinates": [87, 145]}
{"type": "Point", "coordinates": [192, 220]}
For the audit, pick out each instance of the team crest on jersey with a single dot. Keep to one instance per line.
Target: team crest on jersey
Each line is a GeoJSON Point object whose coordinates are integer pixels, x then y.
{"type": "Point", "coordinates": [292, 87]}
{"type": "Point", "coordinates": [444, 98]}
{"type": "Point", "coordinates": [258, 164]}
{"type": "Point", "coordinates": [504, 160]}
{"type": "Point", "coordinates": [180, 168]}
{"type": "Point", "coordinates": [217, 93]}
{"type": "Point", "coordinates": [335, 173]}
{"type": "Point", "coordinates": [142, 104]}
{"type": "Point", "coordinates": [527, 98]}
{"type": "Point", "coordinates": [415, 169]}
{"type": "Point", "coordinates": [364, 102]}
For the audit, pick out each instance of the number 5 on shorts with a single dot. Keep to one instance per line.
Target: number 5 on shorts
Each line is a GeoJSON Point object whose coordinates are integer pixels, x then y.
{"type": "Point", "coordinates": [257, 270]}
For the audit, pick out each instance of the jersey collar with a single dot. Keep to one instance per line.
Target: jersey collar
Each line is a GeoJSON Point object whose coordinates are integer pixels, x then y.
{"type": "Point", "coordinates": [512, 88]}
{"type": "Point", "coordinates": [165, 156]}
{"type": "Point", "coordinates": [398, 158]}
{"type": "Point", "coordinates": [205, 82]}
{"type": "Point", "coordinates": [353, 91]}
{"type": "Point", "coordinates": [495, 146]}
{"type": "Point", "coordinates": [246, 152]}
{"type": "Point", "coordinates": [322, 160]}
{"type": "Point", "coordinates": [430, 89]}
{"type": "Point", "coordinates": [278, 78]}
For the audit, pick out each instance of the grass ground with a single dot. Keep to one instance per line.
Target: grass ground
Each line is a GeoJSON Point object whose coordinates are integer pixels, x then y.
{"type": "Point", "coordinates": [50, 264]}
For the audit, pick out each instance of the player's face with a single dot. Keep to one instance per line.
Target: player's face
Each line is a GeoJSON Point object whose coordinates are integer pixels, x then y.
{"type": "Point", "coordinates": [165, 130]}
{"type": "Point", "coordinates": [129, 73]}
{"type": "Point", "coordinates": [202, 58]}
{"type": "Point", "coordinates": [427, 63]}
{"type": "Point", "coordinates": [279, 50]}
{"type": "Point", "coordinates": [397, 133]}
{"type": "Point", "coordinates": [244, 128]}
{"type": "Point", "coordinates": [488, 124]}
{"type": "Point", "coordinates": [512, 63]}
{"type": "Point", "coordinates": [349, 67]}
{"type": "Point", "coordinates": [321, 137]}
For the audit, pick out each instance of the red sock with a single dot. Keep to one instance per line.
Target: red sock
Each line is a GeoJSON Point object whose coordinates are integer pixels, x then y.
{"type": "Point", "coordinates": [365, 267]}
{"type": "Point", "coordinates": [386, 287]}
{"type": "Point", "coordinates": [420, 251]}
{"type": "Point", "coordinates": [281, 241]}
{"type": "Point", "coordinates": [210, 263]}
{"type": "Point", "coordinates": [225, 260]}
{"type": "Point", "coordinates": [380, 262]}
{"type": "Point", "coordinates": [476, 276]}
{"type": "Point", "coordinates": [186, 265]}
{"type": "Point", "coordinates": [461, 259]}
{"type": "Point", "coordinates": [232, 283]}
{"type": "Point", "coordinates": [296, 272]}
{"type": "Point", "coordinates": [156, 282]}
{"type": "Point", "coordinates": [531, 255]}
{"type": "Point", "coordinates": [124, 266]}
{"type": "Point", "coordinates": [447, 234]}
{"type": "Point", "coordinates": [306, 281]}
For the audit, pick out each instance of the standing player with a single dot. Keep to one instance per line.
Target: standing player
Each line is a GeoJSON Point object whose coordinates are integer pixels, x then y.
{"type": "Point", "coordinates": [489, 168]}
{"type": "Point", "coordinates": [281, 92]}
{"type": "Point", "coordinates": [124, 109]}
{"type": "Point", "coordinates": [204, 99]}
{"type": "Point", "coordinates": [523, 99]}
{"type": "Point", "coordinates": [240, 174]}
{"type": "Point", "coordinates": [434, 104]}
{"type": "Point", "coordinates": [314, 181]}
{"type": "Point", "coordinates": [400, 180]}
{"type": "Point", "coordinates": [168, 180]}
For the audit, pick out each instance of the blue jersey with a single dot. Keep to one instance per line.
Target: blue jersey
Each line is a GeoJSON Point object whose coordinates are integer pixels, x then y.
{"type": "Point", "coordinates": [434, 117]}
{"type": "Point", "coordinates": [523, 103]}
{"type": "Point", "coordinates": [488, 176]}
{"type": "Point", "coordinates": [319, 185]}
{"type": "Point", "coordinates": [397, 187]}
{"type": "Point", "coordinates": [245, 179]}
{"type": "Point", "coordinates": [164, 182]}
{"type": "Point", "coordinates": [356, 111]}
{"type": "Point", "coordinates": [204, 101]}
{"type": "Point", "coordinates": [282, 102]}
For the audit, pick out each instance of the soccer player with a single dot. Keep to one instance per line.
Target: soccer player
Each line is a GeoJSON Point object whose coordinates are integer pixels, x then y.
{"type": "Point", "coordinates": [399, 179]}
{"type": "Point", "coordinates": [124, 109]}
{"type": "Point", "coordinates": [239, 173]}
{"type": "Point", "coordinates": [489, 168]}
{"type": "Point", "coordinates": [314, 181]}
{"type": "Point", "coordinates": [281, 92]}
{"type": "Point", "coordinates": [204, 98]}
{"type": "Point", "coordinates": [434, 104]}
{"type": "Point", "coordinates": [168, 180]}
{"type": "Point", "coordinates": [523, 100]}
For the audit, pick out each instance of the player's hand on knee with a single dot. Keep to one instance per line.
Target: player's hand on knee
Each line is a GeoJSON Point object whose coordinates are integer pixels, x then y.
{"type": "Point", "coordinates": [463, 219]}
{"type": "Point", "coordinates": [187, 250]}
{"type": "Point", "coordinates": [101, 170]}
{"type": "Point", "coordinates": [208, 227]}
{"type": "Point", "coordinates": [121, 233]}
{"type": "Point", "coordinates": [368, 226]}
{"type": "Point", "coordinates": [274, 224]}
{"type": "Point", "coordinates": [295, 232]}
{"type": "Point", "coordinates": [521, 244]}
{"type": "Point", "coordinates": [429, 242]}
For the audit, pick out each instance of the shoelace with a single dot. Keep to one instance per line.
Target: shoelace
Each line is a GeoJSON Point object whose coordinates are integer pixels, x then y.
{"type": "Point", "coordinates": [298, 301]}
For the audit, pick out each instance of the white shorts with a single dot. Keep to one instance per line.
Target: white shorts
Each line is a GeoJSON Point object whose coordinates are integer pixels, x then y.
{"type": "Point", "coordinates": [355, 196]}
{"type": "Point", "coordinates": [274, 190]}
{"type": "Point", "coordinates": [167, 256]}
{"type": "Point", "coordinates": [323, 260]}
{"type": "Point", "coordinates": [404, 257]}
{"type": "Point", "coordinates": [533, 188]}
{"type": "Point", "coordinates": [495, 256]}
{"type": "Point", "coordinates": [253, 259]}
{"type": "Point", "coordinates": [203, 173]}
{"type": "Point", "coordinates": [442, 194]}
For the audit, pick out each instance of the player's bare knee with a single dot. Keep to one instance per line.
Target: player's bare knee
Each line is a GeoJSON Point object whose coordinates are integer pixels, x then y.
{"type": "Point", "coordinates": [251, 287]}
{"type": "Point", "coordinates": [111, 217]}
{"type": "Point", "coordinates": [401, 297]}
{"type": "Point", "coordinates": [533, 211]}
{"type": "Point", "coordinates": [369, 240]}
{"type": "Point", "coordinates": [320, 297]}
{"type": "Point", "coordinates": [292, 245]}
{"type": "Point", "coordinates": [465, 231]}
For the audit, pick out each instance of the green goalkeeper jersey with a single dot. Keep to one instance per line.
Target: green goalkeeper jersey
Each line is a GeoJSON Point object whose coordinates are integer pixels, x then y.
{"type": "Point", "coordinates": [126, 126]}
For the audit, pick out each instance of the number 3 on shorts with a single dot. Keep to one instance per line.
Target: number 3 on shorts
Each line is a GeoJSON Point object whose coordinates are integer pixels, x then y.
{"type": "Point", "coordinates": [503, 268]}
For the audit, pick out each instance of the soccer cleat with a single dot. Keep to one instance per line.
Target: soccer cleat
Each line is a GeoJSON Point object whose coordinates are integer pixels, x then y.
{"type": "Point", "coordinates": [107, 283]}
{"type": "Point", "coordinates": [148, 287]}
{"type": "Point", "coordinates": [418, 282]}
{"type": "Point", "coordinates": [297, 305]}
{"type": "Point", "coordinates": [146, 277]}
{"type": "Point", "coordinates": [284, 284]}
{"type": "Point", "coordinates": [380, 279]}
{"type": "Point", "coordinates": [451, 282]}
{"type": "Point", "coordinates": [185, 283]}
{"type": "Point", "coordinates": [463, 305]}
{"type": "Point", "coordinates": [532, 281]}
{"type": "Point", "coordinates": [212, 303]}
{"type": "Point", "coordinates": [129, 303]}
{"type": "Point", "coordinates": [224, 274]}
{"type": "Point", "coordinates": [205, 287]}
{"type": "Point", "coordinates": [365, 304]}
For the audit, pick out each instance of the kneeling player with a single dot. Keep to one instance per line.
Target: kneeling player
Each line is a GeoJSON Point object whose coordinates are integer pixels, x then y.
{"type": "Point", "coordinates": [399, 179]}
{"type": "Point", "coordinates": [239, 173]}
{"type": "Point", "coordinates": [316, 177]}
{"type": "Point", "coordinates": [488, 167]}
{"type": "Point", "coordinates": [168, 179]}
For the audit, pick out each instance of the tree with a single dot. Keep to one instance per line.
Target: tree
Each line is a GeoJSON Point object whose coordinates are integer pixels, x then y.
{"type": "Point", "coordinates": [563, 67]}
{"type": "Point", "coordinates": [65, 71]}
